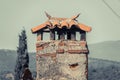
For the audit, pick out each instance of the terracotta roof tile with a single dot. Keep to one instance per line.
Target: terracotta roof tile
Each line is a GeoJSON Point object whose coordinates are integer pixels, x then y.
{"type": "Point", "coordinates": [61, 22]}
{"type": "Point", "coordinates": [64, 23]}
{"type": "Point", "coordinates": [84, 27]}
{"type": "Point", "coordinates": [39, 27]}
{"type": "Point", "coordinates": [71, 23]}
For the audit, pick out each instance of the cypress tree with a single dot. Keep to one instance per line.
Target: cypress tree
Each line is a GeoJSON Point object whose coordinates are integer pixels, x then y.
{"type": "Point", "coordinates": [22, 61]}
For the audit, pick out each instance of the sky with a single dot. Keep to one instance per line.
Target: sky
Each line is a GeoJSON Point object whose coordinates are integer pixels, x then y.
{"type": "Point", "coordinates": [102, 15]}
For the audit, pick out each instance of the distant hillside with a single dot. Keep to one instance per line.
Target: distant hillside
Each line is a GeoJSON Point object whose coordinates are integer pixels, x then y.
{"type": "Point", "coordinates": [105, 50]}
{"type": "Point", "coordinates": [103, 70]}
{"type": "Point", "coordinates": [8, 60]}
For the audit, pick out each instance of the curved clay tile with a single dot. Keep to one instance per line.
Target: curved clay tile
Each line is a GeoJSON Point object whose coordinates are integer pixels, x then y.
{"type": "Point", "coordinates": [35, 29]}
{"type": "Point", "coordinates": [55, 23]}
{"type": "Point", "coordinates": [71, 23]}
{"type": "Point", "coordinates": [64, 23]}
{"type": "Point", "coordinates": [84, 27]}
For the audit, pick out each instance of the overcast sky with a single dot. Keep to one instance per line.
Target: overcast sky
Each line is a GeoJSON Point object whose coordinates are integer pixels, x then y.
{"type": "Point", "coordinates": [103, 17]}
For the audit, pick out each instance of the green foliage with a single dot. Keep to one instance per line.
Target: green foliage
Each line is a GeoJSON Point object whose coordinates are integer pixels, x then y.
{"type": "Point", "coordinates": [22, 61]}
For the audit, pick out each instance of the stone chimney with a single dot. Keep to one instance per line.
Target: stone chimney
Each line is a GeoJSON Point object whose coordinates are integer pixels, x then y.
{"type": "Point", "coordinates": [61, 56]}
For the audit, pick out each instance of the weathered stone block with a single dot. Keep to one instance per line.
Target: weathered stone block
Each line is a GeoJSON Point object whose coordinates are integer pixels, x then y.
{"type": "Point", "coordinates": [66, 67]}
{"type": "Point", "coordinates": [62, 60]}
